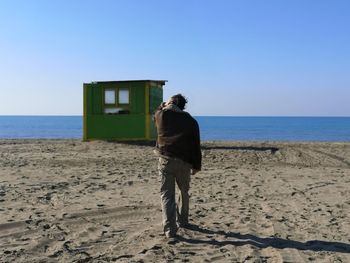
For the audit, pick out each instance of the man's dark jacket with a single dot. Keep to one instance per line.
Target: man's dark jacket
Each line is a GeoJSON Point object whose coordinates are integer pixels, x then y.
{"type": "Point", "coordinates": [178, 136]}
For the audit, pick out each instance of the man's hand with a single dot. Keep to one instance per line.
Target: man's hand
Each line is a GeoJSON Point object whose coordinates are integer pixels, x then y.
{"type": "Point", "coordinates": [165, 104]}
{"type": "Point", "coordinates": [162, 106]}
{"type": "Point", "coordinates": [194, 171]}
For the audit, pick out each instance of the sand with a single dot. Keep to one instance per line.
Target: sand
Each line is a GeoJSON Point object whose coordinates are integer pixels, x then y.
{"type": "Point", "coordinates": [73, 201]}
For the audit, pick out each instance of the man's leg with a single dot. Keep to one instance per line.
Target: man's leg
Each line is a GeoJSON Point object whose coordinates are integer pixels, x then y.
{"type": "Point", "coordinates": [183, 179]}
{"type": "Point", "coordinates": [167, 193]}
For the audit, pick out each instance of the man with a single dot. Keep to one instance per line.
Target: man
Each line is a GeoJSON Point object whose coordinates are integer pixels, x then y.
{"type": "Point", "coordinates": [178, 146]}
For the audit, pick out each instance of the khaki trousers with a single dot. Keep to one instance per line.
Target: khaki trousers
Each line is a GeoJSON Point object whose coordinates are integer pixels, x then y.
{"type": "Point", "coordinates": [171, 170]}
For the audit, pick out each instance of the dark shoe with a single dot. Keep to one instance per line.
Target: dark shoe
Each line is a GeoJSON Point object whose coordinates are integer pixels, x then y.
{"type": "Point", "coordinates": [182, 224]}
{"type": "Point", "coordinates": [189, 226]}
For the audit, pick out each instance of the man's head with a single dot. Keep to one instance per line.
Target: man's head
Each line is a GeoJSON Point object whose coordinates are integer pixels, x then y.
{"type": "Point", "coordinates": [178, 100]}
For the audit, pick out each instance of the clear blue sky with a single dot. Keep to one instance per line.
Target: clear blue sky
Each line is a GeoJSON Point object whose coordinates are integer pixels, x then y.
{"type": "Point", "coordinates": [246, 58]}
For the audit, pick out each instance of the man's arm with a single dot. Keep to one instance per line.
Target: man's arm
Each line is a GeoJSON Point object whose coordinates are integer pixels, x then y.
{"type": "Point", "coordinates": [197, 158]}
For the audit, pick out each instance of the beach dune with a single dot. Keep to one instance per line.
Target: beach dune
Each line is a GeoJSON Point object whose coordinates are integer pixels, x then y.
{"type": "Point", "coordinates": [73, 201]}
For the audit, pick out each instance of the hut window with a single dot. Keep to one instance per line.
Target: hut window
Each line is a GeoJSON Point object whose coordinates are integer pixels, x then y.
{"type": "Point", "coordinates": [109, 96]}
{"type": "Point", "coordinates": [123, 96]}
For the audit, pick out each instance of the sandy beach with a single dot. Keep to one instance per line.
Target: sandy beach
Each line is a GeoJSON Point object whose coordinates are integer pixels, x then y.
{"type": "Point", "coordinates": [73, 201]}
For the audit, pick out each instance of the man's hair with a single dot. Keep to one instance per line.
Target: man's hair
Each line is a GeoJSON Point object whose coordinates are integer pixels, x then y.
{"type": "Point", "coordinates": [179, 101]}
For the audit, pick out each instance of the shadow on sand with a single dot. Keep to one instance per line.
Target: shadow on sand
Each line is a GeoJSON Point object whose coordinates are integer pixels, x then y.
{"type": "Point", "coordinates": [152, 143]}
{"type": "Point", "coordinates": [241, 148]}
{"type": "Point", "coordinates": [275, 242]}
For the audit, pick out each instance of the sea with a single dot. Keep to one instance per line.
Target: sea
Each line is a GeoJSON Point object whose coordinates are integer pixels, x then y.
{"type": "Point", "coordinates": [212, 128]}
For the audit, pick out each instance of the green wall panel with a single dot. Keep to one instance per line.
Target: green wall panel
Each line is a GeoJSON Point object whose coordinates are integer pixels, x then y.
{"type": "Point", "coordinates": [156, 98]}
{"type": "Point", "coordinates": [116, 126]}
{"type": "Point", "coordinates": [97, 100]}
{"type": "Point", "coordinates": [137, 92]}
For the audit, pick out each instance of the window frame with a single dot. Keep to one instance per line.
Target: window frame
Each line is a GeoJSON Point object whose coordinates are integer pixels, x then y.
{"type": "Point", "coordinates": [104, 96]}
{"type": "Point", "coordinates": [118, 97]}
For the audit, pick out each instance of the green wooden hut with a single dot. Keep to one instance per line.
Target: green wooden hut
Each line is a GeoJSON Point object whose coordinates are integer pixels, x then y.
{"type": "Point", "coordinates": [121, 110]}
